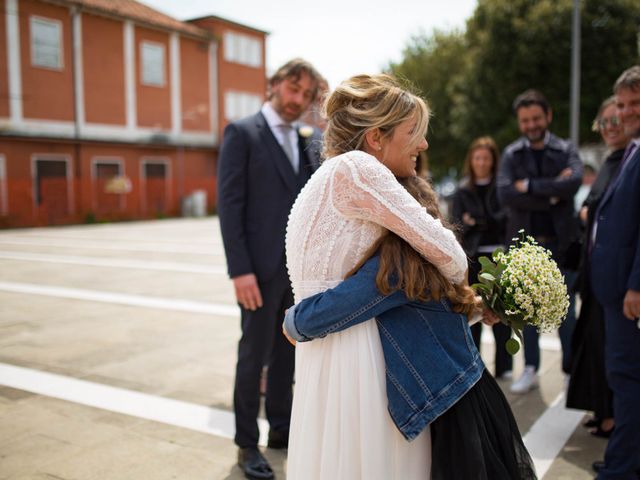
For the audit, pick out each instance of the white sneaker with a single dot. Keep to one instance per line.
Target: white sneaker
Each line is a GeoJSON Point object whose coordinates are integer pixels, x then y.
{"type": "Point", "coordinates": [506, 375]}
{"type": "Point", "coordinates": [527, 381]}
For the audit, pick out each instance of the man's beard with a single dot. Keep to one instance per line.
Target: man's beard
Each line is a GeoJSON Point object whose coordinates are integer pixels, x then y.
{"type": "Point", "coordinates": [294, 108]}
{"type": "Point", "coordinates": [538, 136]}
{"type": "Point", "coordinates": [280, 108]}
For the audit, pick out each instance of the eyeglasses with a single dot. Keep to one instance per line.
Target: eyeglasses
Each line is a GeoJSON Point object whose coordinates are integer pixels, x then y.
{"type": "Point", "coordinates": [601, 124]}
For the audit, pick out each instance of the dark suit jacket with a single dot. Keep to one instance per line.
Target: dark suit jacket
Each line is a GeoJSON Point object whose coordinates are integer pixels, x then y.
{"type": "Point", "coordinates": [615, 257]}
{"type": "Point", "coordinates": [519, 163]}
{"type": "Point", "coordinates": [256, 189]}
{"type": "Point", "coordinates": [608, 173]}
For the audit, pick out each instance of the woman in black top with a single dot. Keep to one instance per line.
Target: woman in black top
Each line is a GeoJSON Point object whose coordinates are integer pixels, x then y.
{"type": "Point", "coordinates": [482, 221]}
{"type": "Point", "coordinates": [588, 387]}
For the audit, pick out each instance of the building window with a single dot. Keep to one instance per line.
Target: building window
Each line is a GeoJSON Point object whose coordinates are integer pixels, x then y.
{"type": "Point", "coordinates": [107, 170]}
{"type": "Point", "coordinates": [46, 43]}
{"type": "Point", "coordinates": [242, 49]}
{"type": "Point", "coordinates": [109, 186]}
{"type": "Point", "coordinates": [152, 55]}
{"type": "Point", "coordinates": [51, 181]}
{"type": "Point", "coordinates": [239, 105]}
{"type": "Point", "coordinates": [52, 188]}
{"type": "Point", "coordinates": [155, 186]}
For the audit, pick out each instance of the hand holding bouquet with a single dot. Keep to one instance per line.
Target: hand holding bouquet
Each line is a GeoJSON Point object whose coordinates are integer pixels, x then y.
{"type": "Point", "coordinates": [523, 286]}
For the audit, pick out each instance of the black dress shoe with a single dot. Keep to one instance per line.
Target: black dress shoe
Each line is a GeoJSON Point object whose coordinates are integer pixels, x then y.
{"type": "Point", "coordinates": [253, 464]}
{"type": "Point", "coordinates": [278, 439]}
{"type": "Point", "coordinates": [591, 423]}
{"type": "Point", "coordinates": [597, 466]}
{"type": "Point", "coordinates": [599, 432]}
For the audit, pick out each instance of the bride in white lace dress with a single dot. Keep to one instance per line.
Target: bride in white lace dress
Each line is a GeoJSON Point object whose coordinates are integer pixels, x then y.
{"type": "Point", "coordinates": [340, 427]}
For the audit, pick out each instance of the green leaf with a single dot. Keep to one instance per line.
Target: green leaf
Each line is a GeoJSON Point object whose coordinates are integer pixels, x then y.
{"type": "Point", "coordinates": [486, 276]}
{"type": "Point", "coordinates": [518, 332]}
{"type": "Point", "coordinates": [517, 324]}
{"type": "Point", "coordinates": [486, 263]}
{"type": "Point", "coordinates": [512, 346]}
{"type": "Point", "coordinates": [481, 286]}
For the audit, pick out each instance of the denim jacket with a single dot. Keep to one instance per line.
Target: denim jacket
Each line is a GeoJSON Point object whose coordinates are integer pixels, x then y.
{"type": "Point", "coordinates": [431, 360]}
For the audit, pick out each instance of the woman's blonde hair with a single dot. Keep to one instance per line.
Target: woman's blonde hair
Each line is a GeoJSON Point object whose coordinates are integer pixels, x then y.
{"type": "Point", "coordinates": [402, 268]}
{"type": "Point", "coordinates": [365, 102]}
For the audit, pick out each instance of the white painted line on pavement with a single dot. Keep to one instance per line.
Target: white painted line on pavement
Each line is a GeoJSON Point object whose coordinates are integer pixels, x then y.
{"type": "Point", "coordinates": [185, 248]}
{"type": "Point", "coordinates": [150, 407]}
{"type": "Point", "coordinates": [545, 439]}
{"type": "Point", "coordinates": [114, 262]}
{"type": "Point", "coordinates": [550, 433]}
{"type": "Point", "coordinates": [105, 236]}
{"type": "Point", "coordinates": [123, 299]}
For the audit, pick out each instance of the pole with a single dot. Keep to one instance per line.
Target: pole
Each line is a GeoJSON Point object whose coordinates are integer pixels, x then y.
{"type": "Point", "coordinates": [575, 75]}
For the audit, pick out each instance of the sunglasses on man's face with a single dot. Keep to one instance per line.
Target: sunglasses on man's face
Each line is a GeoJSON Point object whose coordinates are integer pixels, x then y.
{"type": "Point", "coordinates": [601, 123]}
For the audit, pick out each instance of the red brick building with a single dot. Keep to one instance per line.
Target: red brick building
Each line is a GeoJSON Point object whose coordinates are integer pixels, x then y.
{"type": "Point", "coordinates": [112, 110]}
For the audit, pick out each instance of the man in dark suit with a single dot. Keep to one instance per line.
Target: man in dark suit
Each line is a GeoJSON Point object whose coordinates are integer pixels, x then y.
{"type": "Point", "coordinates": [265, 160]}
{"type": "Point", "coordinates": [615, 269]}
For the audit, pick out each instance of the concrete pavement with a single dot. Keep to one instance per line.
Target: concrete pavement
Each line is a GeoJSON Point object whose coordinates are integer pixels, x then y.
{"type": "Point", "coordinates": [117, 354]}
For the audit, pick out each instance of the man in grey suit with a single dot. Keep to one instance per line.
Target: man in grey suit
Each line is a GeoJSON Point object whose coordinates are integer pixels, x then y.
{"type": "Point", "coordinates": [615, 272]}
{"type": "Point", "coordinates": [265, 160]}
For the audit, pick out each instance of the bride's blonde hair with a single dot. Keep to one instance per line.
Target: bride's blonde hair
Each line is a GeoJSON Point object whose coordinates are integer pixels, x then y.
{"type": "Point", "coordinates": [365, 102]}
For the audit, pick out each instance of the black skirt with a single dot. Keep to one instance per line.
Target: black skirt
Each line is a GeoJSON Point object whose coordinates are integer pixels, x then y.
{"type": "Point", "coordinates": [588, 386]}
{"type": "Point", "coordinates": [478, 438]}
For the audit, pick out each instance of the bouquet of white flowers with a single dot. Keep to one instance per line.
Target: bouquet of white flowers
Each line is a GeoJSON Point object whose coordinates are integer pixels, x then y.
{"type": "Point", "coordinates": [523, 286]}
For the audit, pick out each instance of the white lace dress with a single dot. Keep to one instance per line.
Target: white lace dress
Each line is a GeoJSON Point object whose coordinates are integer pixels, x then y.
{"type": "Point", "coordinates": [340, 426]}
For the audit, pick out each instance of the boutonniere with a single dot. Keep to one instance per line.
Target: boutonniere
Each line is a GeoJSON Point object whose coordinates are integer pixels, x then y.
{"type": "Point", "coordinates": [305, 131]}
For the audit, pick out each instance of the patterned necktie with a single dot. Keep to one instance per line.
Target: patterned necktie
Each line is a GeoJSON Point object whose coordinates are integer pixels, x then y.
{"type": "Point", "coordinates": [628, 153]}
{"type": "Point", "coordinates": [287, 146]}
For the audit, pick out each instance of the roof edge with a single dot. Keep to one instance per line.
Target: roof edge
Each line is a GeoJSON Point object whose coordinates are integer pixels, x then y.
{"type": "Point", "coordinates": [226, 20]}
{"type": "Point", "coordinates": [186, 29]}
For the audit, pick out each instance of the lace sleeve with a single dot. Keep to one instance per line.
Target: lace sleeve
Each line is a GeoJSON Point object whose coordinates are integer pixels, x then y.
{"type": "Point", "coordinates": [364, 188]}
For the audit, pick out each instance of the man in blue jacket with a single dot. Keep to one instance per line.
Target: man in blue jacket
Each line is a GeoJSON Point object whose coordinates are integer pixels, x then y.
{"type": "Point", "coordinates": [538, 177]}
{"type": "Point", "coordinates": [615, 269]}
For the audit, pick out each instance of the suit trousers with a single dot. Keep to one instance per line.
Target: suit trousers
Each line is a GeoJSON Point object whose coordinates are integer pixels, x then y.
{"type": "Point", "coordinates": [622, 357]}
{"type": "Point", "coordinates": [262, 343]}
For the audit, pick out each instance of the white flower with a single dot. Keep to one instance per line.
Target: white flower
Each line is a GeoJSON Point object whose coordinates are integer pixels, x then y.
{"type": "Point", "coordinates": [532, 280]}
{"type": "Point", "coordinates": [305, 131]}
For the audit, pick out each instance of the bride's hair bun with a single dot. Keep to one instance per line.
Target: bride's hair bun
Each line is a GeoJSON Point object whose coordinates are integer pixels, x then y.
{"type": "Point", "coordinates": [364, 102]}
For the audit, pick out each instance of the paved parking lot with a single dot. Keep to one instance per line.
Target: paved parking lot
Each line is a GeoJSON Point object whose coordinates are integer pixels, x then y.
{"type": "Point", "coordinates": [117, 353]}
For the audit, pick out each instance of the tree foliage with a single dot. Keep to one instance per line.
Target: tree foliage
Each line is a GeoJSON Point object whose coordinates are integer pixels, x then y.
{"type": "Point", "coordinates": [430, 63]}
{"type": "Point", "coordinates": [471, 77]}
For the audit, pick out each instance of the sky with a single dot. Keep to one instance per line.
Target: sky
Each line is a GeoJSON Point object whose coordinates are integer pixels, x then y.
{"type": "Point", "coordinates": [339, 37]}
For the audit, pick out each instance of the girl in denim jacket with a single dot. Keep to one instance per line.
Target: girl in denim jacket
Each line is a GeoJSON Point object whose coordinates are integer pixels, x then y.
{"type": "Point", "coordinates": [434, 373]}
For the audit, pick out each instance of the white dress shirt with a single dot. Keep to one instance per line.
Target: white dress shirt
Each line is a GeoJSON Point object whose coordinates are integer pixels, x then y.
{"type": "Point", "coordinates": [275, 122]}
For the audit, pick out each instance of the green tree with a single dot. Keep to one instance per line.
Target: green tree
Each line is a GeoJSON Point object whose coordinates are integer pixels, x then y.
{"type": "Point", "coordinates": [432, 63]}
{"type": "Point", "coordinates": [512, 45]}
{"type": "Point", "coordinates": [520, 44]}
